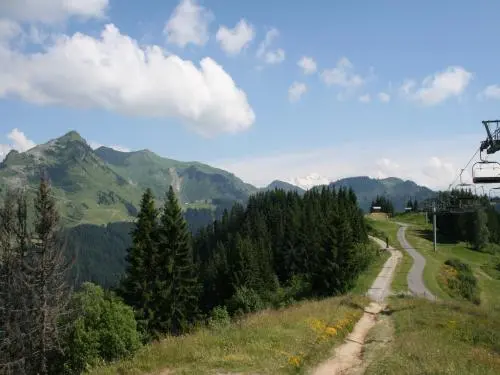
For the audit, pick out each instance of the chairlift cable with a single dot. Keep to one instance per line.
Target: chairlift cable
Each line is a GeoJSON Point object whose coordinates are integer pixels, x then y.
{"type": "Point", "coordinates": [463, 169]}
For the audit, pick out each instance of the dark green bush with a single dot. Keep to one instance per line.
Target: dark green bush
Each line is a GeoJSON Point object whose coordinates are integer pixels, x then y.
{"type": "Point", "coordinates": [465, 284]}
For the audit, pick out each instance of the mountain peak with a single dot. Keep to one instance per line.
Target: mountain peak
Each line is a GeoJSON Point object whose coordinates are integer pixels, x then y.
{"type": "Point", "coordinates": [72, 135]}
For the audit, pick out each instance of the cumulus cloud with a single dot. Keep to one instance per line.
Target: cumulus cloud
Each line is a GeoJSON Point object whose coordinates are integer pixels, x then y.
{"type": "Point", "coordinates": [433, 163]}
{"type": "Point", "coordinates": [270, 56]}
{"type": "Point", "coordinates": [365, 98]}
{"type": "Point", "coordinates": [234, 40]}
{"type": "Point", "coordinates": [384, 97]}
{"type": "Point", "coordinates": [51, 11]}
{"type": "Point", "coordinates": [296, 90]}
{"type": "Point", "coordinates": [438, 87]}
{"type": "Point", "coordinates": [490, 92]}
{"type": "Point", "coordinates": [307, 64]}
{"type": "Point", "coordinates": [188, 24]}
{"type": "Point", "coordinates": [342, 75]}
{"type": "Point", "coordinates": [115, 73]}
{"type": "Point", "coordinates": [19, 142]}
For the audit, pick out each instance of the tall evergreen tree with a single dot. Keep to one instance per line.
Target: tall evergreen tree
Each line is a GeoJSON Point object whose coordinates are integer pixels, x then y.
{"type": "Point", "coordinates": [138, 286]}
{"type": "Point", "coordinates": [46, 275]}
{"type": "Point", "coordinates": [481, 233]}
{"type": "Point", "coordinates": [178, 287]}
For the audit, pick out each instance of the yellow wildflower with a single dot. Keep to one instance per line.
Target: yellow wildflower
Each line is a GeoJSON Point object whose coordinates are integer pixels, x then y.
{"type": "Point", "coordinates": [331, 331]}
{"type": "Point", "coordinates": [294, 361]}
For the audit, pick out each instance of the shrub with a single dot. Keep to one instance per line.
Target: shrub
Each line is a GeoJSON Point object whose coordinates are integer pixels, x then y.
{"type": "Point", "coordinates": [219, 318]}
{"type": "Point", "coordinates": [102, 329]}
{"type": "Point", "coordinates": [464, 283]}
{"type": "Point", "coordinates": [244, 301]}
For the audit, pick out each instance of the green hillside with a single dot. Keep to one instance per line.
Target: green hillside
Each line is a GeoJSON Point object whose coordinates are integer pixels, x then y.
{"type": "Point", "coordinates": [395, 189]}
{"type": "Point", "coordinates": [282, 185]}
{"type": "Point", "coordinates": [104, 185]}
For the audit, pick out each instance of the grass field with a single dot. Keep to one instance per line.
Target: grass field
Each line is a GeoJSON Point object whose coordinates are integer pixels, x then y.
{"type": "Point", "coordinates": [439, 338]}
{"type": "Point", "coordinates": [420, 237]}
{"type": "Point", "coordinates": [390, 229]}
{"type": "Point", "coordinates": [285, 341]}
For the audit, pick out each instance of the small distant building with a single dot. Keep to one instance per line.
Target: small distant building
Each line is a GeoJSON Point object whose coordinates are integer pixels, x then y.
{"type": "Point", "coordinates": [376, 208]}
{"type": "Point", "coordinates": [408, 209]}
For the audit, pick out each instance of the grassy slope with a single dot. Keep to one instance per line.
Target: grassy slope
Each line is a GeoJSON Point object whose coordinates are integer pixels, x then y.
{"type": "Point", "coordinates": [281, 341]}
{"type": "Point", "coordinates": [420, 237]}
{"type": "Point", "coordinates": [447, 337]}
{"type": "Point", "coordinates": [390, 229]}
{"type": "Point", "coordinates": [267, 342]}
{"type": "Point", "coordinates": [440, 338]}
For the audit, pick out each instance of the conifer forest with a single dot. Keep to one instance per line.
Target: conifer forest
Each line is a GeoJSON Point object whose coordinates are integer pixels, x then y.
{"type": "Point", "coordinates": [279, 248]}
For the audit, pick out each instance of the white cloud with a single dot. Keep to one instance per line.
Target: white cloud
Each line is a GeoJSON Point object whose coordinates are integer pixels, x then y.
{"type": "Point", "coordinates": [490, 92]}
{"type": "Point", "coordinates": [8, 30]}
{"type": "Point", "coordinates": [365, 98]}
{"type": "Point", "coordinates": [114, 73]}
{"type": "Point", "coordinates": [296, 90]}
{"type": "Point", "coordinates": [234, 40]}
{"type": "Point", "coordinates": [342, 75]}
{"type": "Point", "coordinates": [438, 87]}
{"type": "Point", "coordinates": [51, 11]}
{"type": "Point", "coordinates": [384, 97]}
{"type": "Point", "coordinates": [308, 65]}
{"type": "Point", "coordinates": [19, 142]}
{"type": "Point", "coordinates": [433, 163]}
{"type": "Point", "coordinates": [188, 24]}
{"type": "Point", "coordinates": [275, 56]}
{"type": "Point", "coordinates": [96, 145]}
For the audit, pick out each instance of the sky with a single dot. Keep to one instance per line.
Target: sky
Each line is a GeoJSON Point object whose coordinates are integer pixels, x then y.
{"type": "Point", "coordinates": [299, 91]}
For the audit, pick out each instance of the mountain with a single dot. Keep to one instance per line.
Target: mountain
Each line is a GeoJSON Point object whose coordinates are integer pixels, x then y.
{"type": "Point", "coordinates": [397, 190]}
{"type": "Point", "coordinates": [277, 184]}
{"type": "Point", "coordinates": [105, 185]}
{"type": "Point", "coordinates": [314, 179]}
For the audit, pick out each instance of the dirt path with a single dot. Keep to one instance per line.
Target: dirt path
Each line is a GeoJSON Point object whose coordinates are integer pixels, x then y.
{"type": "Point", "coordinates": [347, 359]}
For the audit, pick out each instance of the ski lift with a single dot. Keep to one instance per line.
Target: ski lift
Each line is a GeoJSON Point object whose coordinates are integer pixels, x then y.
{"type": "Point", "coordinates": [495, 199]}
{"type": "Point", "coordinates": [486, 172]}
{"type": "Point", "coordinates": [465, 187]}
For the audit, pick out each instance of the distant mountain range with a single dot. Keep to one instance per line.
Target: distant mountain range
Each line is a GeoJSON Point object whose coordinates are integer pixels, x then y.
{"type": "Point", "coordinates": [98, 193]}
{"type": "Point", "coordinates": [395, 189]}
{"type": "Point", "coordinates": [104, 185]}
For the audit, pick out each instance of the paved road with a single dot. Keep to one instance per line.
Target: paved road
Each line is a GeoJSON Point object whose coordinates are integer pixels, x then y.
{"type": "Point", "coordinates": [381, 287]}
{"type": "Point", "coordinates": [415, 276]}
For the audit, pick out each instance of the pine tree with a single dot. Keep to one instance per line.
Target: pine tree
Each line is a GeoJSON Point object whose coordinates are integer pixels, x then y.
{"type": "Point", "coordinates": [178, 287]}
{"type": "Point", "coordinates": [481, 233]}
{"type": "Point", "coordinates": [140, 277]}
{"type": "Point", "coordinates": [13, 340]}
{"type": "Point", "coordinates": [46, 273]}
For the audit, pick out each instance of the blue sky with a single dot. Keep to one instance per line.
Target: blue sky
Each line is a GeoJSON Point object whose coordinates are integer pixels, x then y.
{"type": "Point", "coordinates": [385, 88]}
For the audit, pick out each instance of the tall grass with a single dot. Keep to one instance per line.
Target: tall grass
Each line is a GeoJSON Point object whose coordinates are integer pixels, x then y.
{"type": "Point", "coordinates": [283, 341]}
{"type": "Point", "coordinates": [440, 338]}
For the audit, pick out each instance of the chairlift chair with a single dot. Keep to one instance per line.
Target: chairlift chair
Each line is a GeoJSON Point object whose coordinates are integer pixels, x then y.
{"type": "Point", "coordinates": [486, 172]}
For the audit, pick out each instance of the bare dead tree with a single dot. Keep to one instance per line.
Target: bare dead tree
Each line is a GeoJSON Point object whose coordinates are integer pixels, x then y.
{"type": "Point", "coordinates": [45, 276]}
{"type": "Point", "coordinates": [14, 240]}
{"type": "Point", "coordinates": [33, 284]}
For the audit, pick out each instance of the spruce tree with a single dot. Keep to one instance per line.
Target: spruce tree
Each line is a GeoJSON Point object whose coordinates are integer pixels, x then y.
{"type": "Point", "coordinates": [138, 286]}
{"type": "Point", "coordinates": [178, 287]}
{"type": "Point", "coordinates": [45, 275]}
